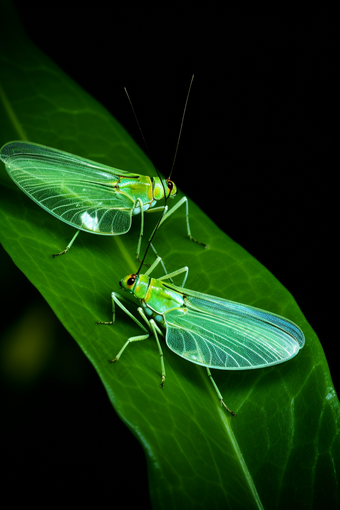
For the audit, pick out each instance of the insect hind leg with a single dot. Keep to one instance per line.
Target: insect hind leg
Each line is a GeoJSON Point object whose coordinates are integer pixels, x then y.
{"type": "Point", "coordinates": [67, 247]}
{"type": "Point", "coordinates": [219, 393]}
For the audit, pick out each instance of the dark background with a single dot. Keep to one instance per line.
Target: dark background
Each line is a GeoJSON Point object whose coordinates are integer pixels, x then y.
{"type": "Point", "coordinates": [255, 155]}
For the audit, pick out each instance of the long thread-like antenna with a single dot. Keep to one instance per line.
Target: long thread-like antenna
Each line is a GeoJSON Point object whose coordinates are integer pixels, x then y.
{"type": "Point", "coordinates": [141, 132]}
{"type": "Point", "coordinates": [151, 238]}
{"type": "Point", "coordinates": [180, 131]}
{"type": "Point", "coordinates": [160, 178]}
{"type": "Point", "coordinates": [173, 164]}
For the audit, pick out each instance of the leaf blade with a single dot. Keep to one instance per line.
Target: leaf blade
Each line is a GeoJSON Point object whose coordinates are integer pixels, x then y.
{"type": "Point", "coordinates": [190, 444]}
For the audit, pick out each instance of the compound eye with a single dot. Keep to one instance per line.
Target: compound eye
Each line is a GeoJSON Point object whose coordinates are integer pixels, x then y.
{"type": "Point", "coordinates": [131, 280]}
{"type": "Point", "coordinates": [170, 186]}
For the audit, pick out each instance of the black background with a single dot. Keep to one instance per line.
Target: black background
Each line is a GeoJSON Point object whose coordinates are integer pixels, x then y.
{"type": "Point", "coordinates": [255, 154]}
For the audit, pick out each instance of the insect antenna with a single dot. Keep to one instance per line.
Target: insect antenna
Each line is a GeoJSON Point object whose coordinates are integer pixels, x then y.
{"type": "Point", "coordinates": [182, 122]}
{"type": "Point", "coordinates": [142, 135]}
{"type": "Point", "coordinates": [172, 167]}
{"type": "Point", "coordinates": [151, 238]}
{"type": "Point", "coordinates": [159, 175]}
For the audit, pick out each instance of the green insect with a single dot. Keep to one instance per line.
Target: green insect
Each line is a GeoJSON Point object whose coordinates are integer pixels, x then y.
{"type": "Point", "coordinates": [207, 330]}
{"type": "Point", "coordinates": [87, 195]}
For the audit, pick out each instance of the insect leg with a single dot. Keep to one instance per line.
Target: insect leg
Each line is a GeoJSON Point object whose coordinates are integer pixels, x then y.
{"type": "Point", "coordinates": [68, 246]}
{"type": "Point", "coordinates": [175, 273]}
{"type": "Point", "coordinates": [152, 267]}
{"type": "Point", "coordinates": [161, 261]}
{"type": "Point", "coordinates": [170, 275]}
{"type": "Point", "coordinates": [157, 209]}
{"type": "Point", "coordinates": [219, 393]}
{"type": "Point", "coordinates": [130, 340]}
{"type": "Point", "coordinates": [139, 203]}
{"type": "Point", "coordinates": [183, 200]}
{"type": "Point", "coordinates": [117, 298]}
{"type": "Point", "coordinates": [141, 311]}
{"type": "Point", "coordinates": [153, 327]}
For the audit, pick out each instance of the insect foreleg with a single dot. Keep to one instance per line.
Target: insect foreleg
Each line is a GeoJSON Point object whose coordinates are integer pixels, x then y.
{"type": "Point", "coordinates": [68, 246]}
{"type": "Point", "coordinates": [183, 200]}
{"type": "Point", "coordinates": [117, 298]}
{"type": "Point", "coordinates": [219, 393]}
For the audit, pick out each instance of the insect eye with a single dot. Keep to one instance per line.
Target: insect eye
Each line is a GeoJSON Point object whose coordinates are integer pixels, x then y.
{"type": "Point", "coordinates": [170, 185]}
{"type": "Point", "coordinates": [131, 280]}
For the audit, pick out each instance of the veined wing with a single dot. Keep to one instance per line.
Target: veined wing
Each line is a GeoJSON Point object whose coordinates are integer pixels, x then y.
{"type": "Point", "coordinates": [76, 190]}
{"type": "Point", "coordinates": [231, 336]}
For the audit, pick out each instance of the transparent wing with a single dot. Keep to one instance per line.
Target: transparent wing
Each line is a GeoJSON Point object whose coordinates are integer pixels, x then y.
{"type": "Point", "coordinates": [230, 336]}
{"type": "Point", "coordinates": [76, 190]}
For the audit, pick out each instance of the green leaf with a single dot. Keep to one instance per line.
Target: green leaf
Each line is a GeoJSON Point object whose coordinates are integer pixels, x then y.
{"type": "Point", "coordinates": [283, 447]}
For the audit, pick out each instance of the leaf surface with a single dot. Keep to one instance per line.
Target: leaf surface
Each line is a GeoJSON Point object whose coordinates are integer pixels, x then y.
{"type": "Point", "coordinates": [284, 444]}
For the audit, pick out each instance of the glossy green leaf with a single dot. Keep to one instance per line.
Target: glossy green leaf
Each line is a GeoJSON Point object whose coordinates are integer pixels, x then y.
{"type": "Point", "coordinates": [283, 447]}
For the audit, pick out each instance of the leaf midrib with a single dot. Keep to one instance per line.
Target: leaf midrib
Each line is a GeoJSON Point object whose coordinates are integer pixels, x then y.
{"type": "Point", "coordinates": [226, 424]}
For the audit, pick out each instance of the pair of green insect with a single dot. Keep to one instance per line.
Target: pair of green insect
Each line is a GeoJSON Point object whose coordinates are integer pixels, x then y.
{"type": "Point", "coordinates": [206, 330]}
